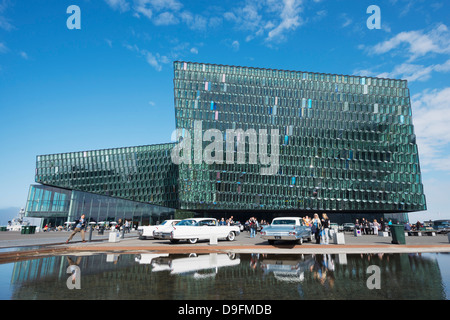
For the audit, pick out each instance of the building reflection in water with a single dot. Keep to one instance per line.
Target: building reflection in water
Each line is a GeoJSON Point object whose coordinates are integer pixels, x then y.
{"type": "Point", "coordinates": [230, 276]}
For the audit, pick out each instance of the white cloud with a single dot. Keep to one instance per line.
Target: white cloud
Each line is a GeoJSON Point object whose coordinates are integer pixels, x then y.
{"type": "Point", "coordinates": [235, 45]}
{"type": "Point", "coordinates": [415, 45]}
{"type": "Point", "coordinates": [5, 25]}
{"type": "Point", "coordinates": [408, 71]}
{"type": "Point", "coordinates": [347, 20]}
{"type": "Point", "coordinates": [120, 5]}
{"type": "Point", "coordinates": [194, 50]}
{"type": "Point", "coordinates": [4, 22]}
{"type": "Point", "coordinates": [109, 42]}
{"type": "Point", "coordinates": [418, 43]}
{"type": "Point", "coordinates": [168, 8]}
{"type": "Point", "coordinates": [169, 12]}
{"type": "Point", "coordinates": [431, 114]}
{"type": "Point", "coordinates": [272, 19]}
{"type": "Point", "coordinates": [141, 8]}
{"type": "Point", "coordinates": [23, 54]}
{"type": "Point", "coordinates": [445, 67]}
{"type": "Point", "coordinates": [165, 4]}
{"type": "Point", "coordinates": [290, 20]}
{"type": "Point", "coordinates": [165, 19]}
{"type": "Point", "coordinates": [154, 60]}
{"type": "Point", "coordinates": [3, 48]}
{"type": "Point", "coordinates": [194, 21]}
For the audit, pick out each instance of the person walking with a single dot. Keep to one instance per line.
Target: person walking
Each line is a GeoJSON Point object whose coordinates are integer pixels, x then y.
{"type": "Point", "coordinates": [253, 227]}
{"type": "Point", "coordinates": [316, 226]}
{"type": "Point", "coordinates": [80, 226]}
{"type": "Point", "coordinates": [325, 229]}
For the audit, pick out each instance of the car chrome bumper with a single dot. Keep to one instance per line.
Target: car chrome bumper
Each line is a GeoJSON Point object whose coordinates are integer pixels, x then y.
{"type": "Point", "coordinates": [280, 237]}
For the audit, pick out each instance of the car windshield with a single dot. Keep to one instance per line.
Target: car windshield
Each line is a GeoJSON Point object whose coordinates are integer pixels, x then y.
{"type": "Point", "coordinates": [164, 222]}
{"type": "Point", "coordinates": [187, 223]}
{"type": "Point", "coordinates": [283, 222]}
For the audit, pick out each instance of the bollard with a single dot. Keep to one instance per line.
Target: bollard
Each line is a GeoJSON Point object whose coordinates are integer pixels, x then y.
{"type": "Point", "coordinates": [213, 240]}
{"type": "Point", "coordinates": [114, 236]}
{"type": "Point", "coordinates": [338, 238]}
{"type": "Point", "coordinates": [448, 235]}
{"type": "Point", "coordinates": [123, 232]}
{"type": "Point", "coordinates": [90, 234]}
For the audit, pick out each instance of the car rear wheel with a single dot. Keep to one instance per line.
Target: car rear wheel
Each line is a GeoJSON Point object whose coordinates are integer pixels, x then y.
{"type": "Point", "coordinates": [300, 241]}
{"type": "Point", "coordinates": [192, 241]}
{"type": "Point", "coordinates": [231, 236]}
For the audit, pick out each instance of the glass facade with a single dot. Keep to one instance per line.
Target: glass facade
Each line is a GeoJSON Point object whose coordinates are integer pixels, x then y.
{"type": "Point", "coordinates": [345, 144]}
{"type": "Point", "coordinates": [142, 174]}
{"type": "Point", "coordinates": [263, 141]}
{"type": "Point", "coordinates": [56, 206]}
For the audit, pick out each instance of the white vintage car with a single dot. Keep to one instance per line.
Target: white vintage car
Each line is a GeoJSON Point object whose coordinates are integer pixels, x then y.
{"type": "Point", "coordinates": [199, 266]}
{"type": "Point", "coordinates": [145, 232]}
{"type": "Point", "coordinates": [195, 229]}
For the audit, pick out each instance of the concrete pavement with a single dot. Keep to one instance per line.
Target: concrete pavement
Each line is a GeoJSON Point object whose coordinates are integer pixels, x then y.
{"type": "Point", "coordinates": [16, 246]}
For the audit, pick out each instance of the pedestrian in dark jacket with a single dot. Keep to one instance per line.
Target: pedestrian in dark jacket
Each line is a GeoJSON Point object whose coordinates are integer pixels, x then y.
{"type": "Point", "coordinates": [80, 226]}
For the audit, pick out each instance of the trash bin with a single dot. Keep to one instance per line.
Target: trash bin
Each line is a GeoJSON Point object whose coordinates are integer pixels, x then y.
{"type": "Point", "coordinates": [398, 234]}
{"type": "Point", "coordinates": [32, 229]}
{"type": "Point", "coordinates": [25, 230]}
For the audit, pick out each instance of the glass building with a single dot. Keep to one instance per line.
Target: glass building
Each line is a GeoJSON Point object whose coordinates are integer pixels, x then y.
{"type": "Point", "coordinates": [143, 174]}
{"type": "Point", "coordinates": [345, 144]}
{"type": "Point", "coordinates": [263, 142]}
{"type": "Point", "coordinates": [56, 206]}
{"type": "Point", "coordinates": [133, 183]}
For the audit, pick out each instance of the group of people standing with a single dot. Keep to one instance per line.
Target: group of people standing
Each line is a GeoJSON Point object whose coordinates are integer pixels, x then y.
{"type": "Point", "coordinates": [320, 227]}
{"type": "Point", "coordinates": [371, 227]}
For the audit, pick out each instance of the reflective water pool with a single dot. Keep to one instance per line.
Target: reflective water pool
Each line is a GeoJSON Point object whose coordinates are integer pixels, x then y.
{"type": "Point", "coordinates": [228, 276]}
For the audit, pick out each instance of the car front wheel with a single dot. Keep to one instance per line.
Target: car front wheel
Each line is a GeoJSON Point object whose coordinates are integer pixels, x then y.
{"type": "Point", "coordinates": [192, 241]}
{"type": "Point", "coordinates": [231, 236]}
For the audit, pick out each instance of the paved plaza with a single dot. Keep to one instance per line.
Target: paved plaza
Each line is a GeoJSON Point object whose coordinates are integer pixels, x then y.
{"type": "Point", "coordinates": [14, 245]}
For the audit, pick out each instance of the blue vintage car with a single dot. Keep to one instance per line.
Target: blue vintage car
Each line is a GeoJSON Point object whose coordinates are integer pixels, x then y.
{"type": "Point", "coordinates": [286, 229]}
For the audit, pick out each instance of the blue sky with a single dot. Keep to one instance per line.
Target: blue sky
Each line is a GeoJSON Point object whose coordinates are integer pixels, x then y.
{"type": "Point", "coordinates": [109, 84]}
